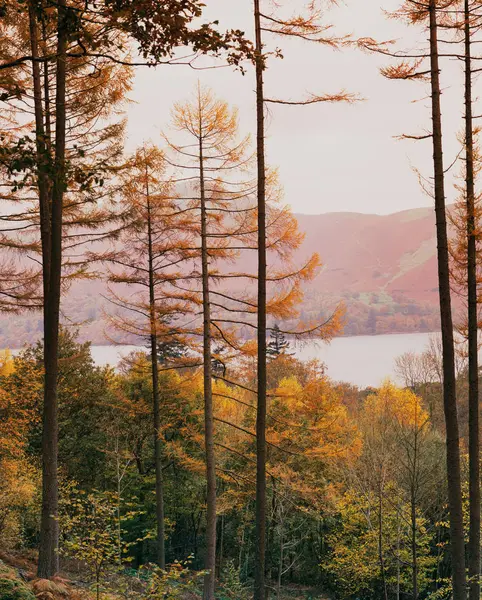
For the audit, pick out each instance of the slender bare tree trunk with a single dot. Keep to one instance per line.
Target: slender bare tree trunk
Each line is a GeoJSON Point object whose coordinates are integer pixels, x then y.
{"type": "Point", "coordinates": [48, 564]}
{"type": "Point", "coordinates": [210, 579]}
{"type": "Point", "coordinates": [381, 557]}
{"type": "Point", "coordinates": [397, 589]}
{"type": "Point", "coordinates": [281, 559]}
{"type": "Point", "coordinates": [474, 443]}
{"type": "Point", "coordinates": [271, 530]}
{"type": "Point", "coordinates": [160, 543]}
{"type": "Point", "coordinates": [413, 509]}
{"type": "Point", "coordinates": [413, 517]}
{"type": "Point", "coordinates": [119, 495]}
{"type": "Point", "coordinates": [449, 379]}
{"type": "Point", "coordinates": [260, 550]}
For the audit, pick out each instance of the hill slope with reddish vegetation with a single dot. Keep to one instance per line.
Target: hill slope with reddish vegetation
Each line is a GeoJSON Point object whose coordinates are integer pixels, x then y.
{"type": "Point", "coordinates": [375, 253]}
{"type": "Point", "coordinates": [383, 267]}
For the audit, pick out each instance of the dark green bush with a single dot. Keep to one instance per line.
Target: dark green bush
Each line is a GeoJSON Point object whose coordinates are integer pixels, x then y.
{"type": "Point", "coordinates": [10, 589]}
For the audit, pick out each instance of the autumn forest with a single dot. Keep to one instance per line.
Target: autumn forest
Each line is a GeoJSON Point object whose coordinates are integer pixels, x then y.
{"type": "Point", "coordinates": [212, 462]}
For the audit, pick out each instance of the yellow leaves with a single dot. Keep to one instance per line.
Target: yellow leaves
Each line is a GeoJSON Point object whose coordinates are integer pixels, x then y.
{"type": "Point", "coordinates": [291, 392]}
{"type": "Point", "coordinates": [313, 416]}
{"type": "Point", "coordinates": [7, 365]}
{"type": "Point", "coordinates": [399, 405]}
{"type": "Point", "coordinates": [229, 404]}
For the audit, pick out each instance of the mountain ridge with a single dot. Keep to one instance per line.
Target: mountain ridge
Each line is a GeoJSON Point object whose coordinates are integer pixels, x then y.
{"type": "Point", "coordinates": [383, 267]}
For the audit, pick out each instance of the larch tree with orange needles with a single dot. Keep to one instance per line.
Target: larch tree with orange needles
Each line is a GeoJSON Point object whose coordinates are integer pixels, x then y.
{"type": "Point", "coordinates": [306, 26]}
{"type": "Point", "coordinates": [215, 164]}
{"type": "Point", "coordinates": [148, 253]}
{"type": "Point", "coordinates": [57, 179]}
{"type": "Point", "coordinates": [465, 253]}
{"type": "Point", "coordinates": [218, 190]}
{"type": "Point", "coordinates": [425, 65]}
{"type": "Point", "coordinates": [46, 42]}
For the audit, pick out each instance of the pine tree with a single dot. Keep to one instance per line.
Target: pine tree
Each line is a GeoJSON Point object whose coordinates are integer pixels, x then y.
{"type": "Point", "coordinates": [278, 344]}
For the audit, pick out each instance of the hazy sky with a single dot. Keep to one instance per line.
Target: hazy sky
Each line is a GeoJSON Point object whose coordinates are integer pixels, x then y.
{"type": "Point", "coordinates": [330, 157]}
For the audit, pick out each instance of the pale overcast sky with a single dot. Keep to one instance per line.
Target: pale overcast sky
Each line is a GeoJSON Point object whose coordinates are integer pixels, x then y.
{"type": "Point", "coordinates": [330, 157]}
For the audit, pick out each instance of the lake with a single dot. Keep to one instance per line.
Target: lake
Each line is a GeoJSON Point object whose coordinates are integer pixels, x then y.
{"type": "Point", "coordinates": [362, 360]}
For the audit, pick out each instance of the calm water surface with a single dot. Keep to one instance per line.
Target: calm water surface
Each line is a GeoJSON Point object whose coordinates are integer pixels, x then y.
{"type": "Point", "coordinates": [362, 360]}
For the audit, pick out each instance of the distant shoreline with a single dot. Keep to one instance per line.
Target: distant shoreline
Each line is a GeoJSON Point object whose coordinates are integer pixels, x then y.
{"type": "Point", "coordinates": [361, 335]}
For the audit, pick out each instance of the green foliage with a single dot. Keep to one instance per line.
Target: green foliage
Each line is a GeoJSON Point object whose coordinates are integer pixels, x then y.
{"type": "Point", "coordinates": [11, 589]}
{"type": "Point", "coordinates": [231, 587]}
{"type": "Point", "coordinates": [355, 547]}
{"type": "Point", "coordinates": [173, 583]}
{"type": "Point", "coordinates": [338, 462]}
{"type": "Point", "coordinates": [91, 531]}
{"type": "Point", "coordinates": [85, 395]}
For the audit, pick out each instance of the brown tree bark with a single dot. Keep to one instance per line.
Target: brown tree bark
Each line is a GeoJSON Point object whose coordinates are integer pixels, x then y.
{"type": "Point", "coordinates": [413, 519]}
{"type": "Point", "coordinates": [48, 564]}
{"type": "Point", "coordinates": [449, 379]}
{"type": "Point", "coordinates": [42, 150]}
{"type": "Point", "coordinates": [156, 409]}
{"type": "Point", "coordinates": [260, 550]}
{"type": "Point", "coordinates": [474, 443]}
{"type": "Point", "coordinates": [381, 557]}
{"type": "Point", "coordinates": [210, 563]}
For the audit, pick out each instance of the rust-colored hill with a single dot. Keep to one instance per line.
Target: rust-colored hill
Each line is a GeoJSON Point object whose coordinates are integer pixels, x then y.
{"type": "Point", "coordinates": [382, 266]}
{"type": "Point", "coordinates": [393, 254]}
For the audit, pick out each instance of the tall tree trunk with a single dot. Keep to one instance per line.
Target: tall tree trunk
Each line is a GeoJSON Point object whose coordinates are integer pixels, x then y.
{"type": "Point", "coordinates": [220, 556]}
{"type": "Point", "coordinates": [413, 508]}
{"type": "Point", "coordinates": [381, 557]}
{"type": "Point", "coordinates": [397, 589]}
{"type": "Point", "coordinates": [271, 530]}
{"type": "Point", "coordinates": [42, 150]}
{"type": "Point", "coordinates": [281, 558]}
{"type": "Point", "coordinates": [119, 496]}
{"type": "Point", "coordinates": [260, 550]}
{"type": "Point", "coordinates": [449, 380]}
{"type": "Point", "coordinates": [413, 518]}
{"type": "Point", "coordinates": [210, 579]}
{"type": "Point", "coordinates": [474, 443]}
{"type": "Point", "coordinates": [160, 539]}
{"type": "Point", "coordinates": [48, 564]}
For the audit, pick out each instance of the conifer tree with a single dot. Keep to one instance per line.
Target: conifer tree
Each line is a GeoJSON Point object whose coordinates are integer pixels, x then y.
{"type": "Point", "coordinates": [68, 182]}
{"type": "Point", "coordinates": [412, 67]}
{"type": "Point", "coordinates": [96, 34]}
{"type": "Point", "coordinates": [278, 344]}
{"type": "Point", "coordinates": [150, 246]}
{"type": "Point", "coordinates": [307, 27]}
{"type": "Point", "coordinates": [465, 250]}
{"type": "Point", "coordinates": [213, 159]}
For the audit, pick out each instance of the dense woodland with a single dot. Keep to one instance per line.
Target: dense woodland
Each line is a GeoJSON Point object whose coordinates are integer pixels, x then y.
{"type": "Point", "coordinates": [216, 464]}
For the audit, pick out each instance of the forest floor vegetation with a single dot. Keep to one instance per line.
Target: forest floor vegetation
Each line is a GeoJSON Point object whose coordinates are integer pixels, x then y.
{"type": "Point", "coordinates": [18, 581]}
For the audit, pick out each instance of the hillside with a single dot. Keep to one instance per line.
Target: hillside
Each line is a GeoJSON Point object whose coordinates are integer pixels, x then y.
{"type": "Point", "coordinates": [383, 267]}
{"type": "Point", "coordinates": [394, 254]}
